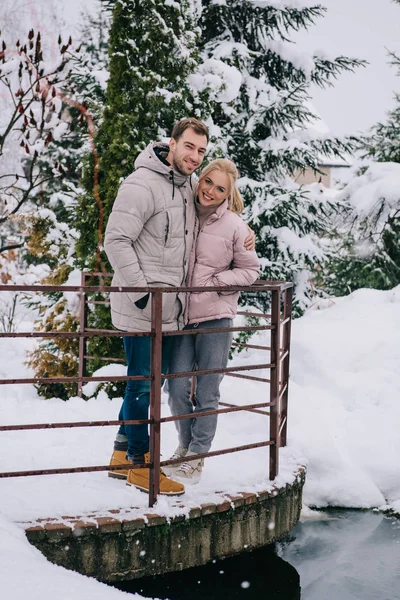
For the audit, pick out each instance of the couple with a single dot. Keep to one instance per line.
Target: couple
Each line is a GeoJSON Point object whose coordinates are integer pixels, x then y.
{"type": "Point", "coordinates": [167, 229]}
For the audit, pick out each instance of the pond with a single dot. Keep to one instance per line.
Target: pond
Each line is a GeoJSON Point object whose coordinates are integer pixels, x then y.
{"type": "Point", "coordinates": [330, 555]}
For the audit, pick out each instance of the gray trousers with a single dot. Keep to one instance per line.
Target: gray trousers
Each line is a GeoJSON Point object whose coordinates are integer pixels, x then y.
{"type": "Point", "coordinates": [202, 351]}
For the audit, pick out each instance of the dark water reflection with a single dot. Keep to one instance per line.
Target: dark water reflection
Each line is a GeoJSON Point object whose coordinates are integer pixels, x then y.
{"type": "Point", "coordinates": [346, 555]}
{"type": "Point", "coordinates": [256, 575]}
{"type": "Point", "coordinates": [336, 555]}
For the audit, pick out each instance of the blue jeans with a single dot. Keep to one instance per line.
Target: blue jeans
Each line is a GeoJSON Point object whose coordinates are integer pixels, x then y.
{"type": "Point", "coordinates": [137, 395]}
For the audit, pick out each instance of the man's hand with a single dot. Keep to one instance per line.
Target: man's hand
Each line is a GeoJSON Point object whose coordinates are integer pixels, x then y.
{"type": "Point", "coordinates": [250, 241]}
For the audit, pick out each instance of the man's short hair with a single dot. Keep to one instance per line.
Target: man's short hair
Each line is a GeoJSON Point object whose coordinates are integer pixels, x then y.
{"type": "Point", "coordinates": [197, 126]}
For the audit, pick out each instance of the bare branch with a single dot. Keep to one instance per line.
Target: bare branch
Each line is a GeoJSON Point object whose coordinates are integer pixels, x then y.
{"type": "Point", "coordinates": [11, 247]}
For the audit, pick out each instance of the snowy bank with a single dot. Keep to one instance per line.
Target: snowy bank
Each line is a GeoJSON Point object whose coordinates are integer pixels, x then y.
{"type": "Point", "coordinates": [344, 399]}
{"type": "Point", "coordinates": [41, 580]}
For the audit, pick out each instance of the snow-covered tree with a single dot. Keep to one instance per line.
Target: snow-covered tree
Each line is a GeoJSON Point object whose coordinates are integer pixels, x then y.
{"type": "Point", "coordinates": [33, 129]}
{"type": "Point", "coordinates": [52, 235]}
{"type": "Point", "coordinates": [238, 65]}
{"type": "Point", "coordinates": [383, 145]}
{"type": "Point", "coordinates": [366, 245]}
{"type": "Point", "coordinates": [31, 119]}
{"type": "Point", "coordinates": [265, 126]}
{"type": "Point", "coordinates": [152, 52]}
{"type": "Point", "coordinates": [365, 251]}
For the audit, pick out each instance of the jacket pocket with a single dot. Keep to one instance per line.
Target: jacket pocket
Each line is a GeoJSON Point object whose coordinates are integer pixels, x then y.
{"type": "Point", "coordinates": [167, 228]}
{"type": "Point", "coordinates": [202, 305]}
{"type": "Point", "coordinates": [171, 306]}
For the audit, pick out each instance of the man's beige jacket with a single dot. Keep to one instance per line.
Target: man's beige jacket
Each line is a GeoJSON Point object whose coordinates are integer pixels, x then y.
{"type": "Point", "coordinates": [148, 239]}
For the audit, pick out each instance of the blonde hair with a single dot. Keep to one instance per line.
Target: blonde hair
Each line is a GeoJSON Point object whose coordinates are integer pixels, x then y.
{"type": "Point", "coordinates": [235, 200]}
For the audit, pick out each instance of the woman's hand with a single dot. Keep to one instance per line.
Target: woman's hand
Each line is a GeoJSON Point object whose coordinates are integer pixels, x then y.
{"type": "Point", "coordinates": [250, 241]}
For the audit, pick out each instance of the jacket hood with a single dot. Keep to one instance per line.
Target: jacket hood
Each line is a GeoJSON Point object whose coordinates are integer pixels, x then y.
{"type": "Point", "coordinates": [148, 159]}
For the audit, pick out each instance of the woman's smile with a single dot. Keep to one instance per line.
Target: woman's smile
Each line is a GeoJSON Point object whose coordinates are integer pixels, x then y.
{"type": "Point", "coordinates": [207, 198]}
{"type": "Point", "coordinates": [214, 188]}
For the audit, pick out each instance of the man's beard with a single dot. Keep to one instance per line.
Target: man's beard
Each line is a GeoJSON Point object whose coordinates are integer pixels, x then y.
{"type": "Point", "coordinates": [178, 166]}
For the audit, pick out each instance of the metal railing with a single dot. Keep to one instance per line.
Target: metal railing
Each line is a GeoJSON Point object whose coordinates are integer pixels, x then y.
{"type": "Point", "coordinates": [278, 322]}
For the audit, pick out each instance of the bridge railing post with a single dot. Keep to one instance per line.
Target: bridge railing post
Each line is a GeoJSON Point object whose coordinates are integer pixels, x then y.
{"type": "Point", "coordinates": [155, 394]}
{"type": "Point", "coordinates": [274, 421]}
{"type": "Point", "coordinates": [287, 316]}
{"type": "Point", "coordinates": [82, 339]}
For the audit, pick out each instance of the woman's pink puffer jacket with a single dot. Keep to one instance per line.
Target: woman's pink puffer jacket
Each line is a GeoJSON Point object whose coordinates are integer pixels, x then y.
{"type": "Point", "coordinates": [218, 257]}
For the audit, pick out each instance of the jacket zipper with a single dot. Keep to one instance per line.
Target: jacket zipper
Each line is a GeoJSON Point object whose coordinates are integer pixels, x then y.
{"type": "Point", "coordinates": [195, 241]}
{"type": "Point", "coordinates": [184, 239]}
{"type": "Point", "coordinates": [184, 257]}
{"type": "Point", "coordinates": [186, 260]}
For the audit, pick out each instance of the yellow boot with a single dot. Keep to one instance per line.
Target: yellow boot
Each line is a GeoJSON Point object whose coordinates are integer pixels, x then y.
{"type": "Point", "coordinates": [119, 458]}
{"type": "Point", "coordinates": [139, 478]}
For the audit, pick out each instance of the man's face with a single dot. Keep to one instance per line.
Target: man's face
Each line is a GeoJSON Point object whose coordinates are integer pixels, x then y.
{"type": "Point", "coordinates": [187, 153]}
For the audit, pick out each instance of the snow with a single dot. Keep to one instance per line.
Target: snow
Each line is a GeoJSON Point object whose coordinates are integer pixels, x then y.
{"type": "Point", "coordinates": [284, 4]}
{"type": "Point", "coordinates": [223, 80]}
{"type": "Point", "coordinates": [60, 130]}
{"type": "Point", "coordinates": [381, 180]}
{"type": "Point", "coordinates": [373, 195]}
{"type": "Point", "coordinates": [116, 370]}
{"type": "Point", "coordinates": [51, 17]}
{"type": "Point", "coordinates": [172, 3]}
{"type": "Point", "coordinates": [289, 241]}
{"type": "Point", "coordinates": [344, 395]}
{"type": "Point", "coordinates": [88, 493]}
{"type": "Point", "coordinates": [41, 579]}
{"type": "Point", "coordinates": [344, 417]}
{"type": "Point", "coordinates": [11, 66]}
{"type": "Point", "coordinates": [290, 53]}
{"type": "Point", "coordinates": [101, 76]}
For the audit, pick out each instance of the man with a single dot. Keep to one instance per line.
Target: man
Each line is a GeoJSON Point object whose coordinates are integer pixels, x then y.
{"type": "Point", "coordinates": [148, 240]}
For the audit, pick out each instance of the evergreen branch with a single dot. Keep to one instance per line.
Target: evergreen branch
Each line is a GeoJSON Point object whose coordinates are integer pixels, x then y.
{"type": "Point", "coordinates": [290, 19]}
{"type": "Point", "coordinates": [326, 70]}
{"type": "Point", "coordinates": [395, 59]}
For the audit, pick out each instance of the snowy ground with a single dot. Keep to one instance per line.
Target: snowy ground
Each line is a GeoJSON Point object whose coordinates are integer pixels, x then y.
{"type": "Point", "coordinates": [344, 418]}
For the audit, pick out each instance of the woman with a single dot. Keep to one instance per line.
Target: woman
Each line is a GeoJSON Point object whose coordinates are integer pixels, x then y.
{"type": "Point", "coordinates": [218, 258]}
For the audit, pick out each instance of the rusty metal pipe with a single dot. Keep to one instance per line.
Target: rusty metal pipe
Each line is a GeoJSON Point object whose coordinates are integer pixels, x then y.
{"type": "Point", "coordinates": [72, 424]}
{"type": "Point", "coordinates": [217, 411]}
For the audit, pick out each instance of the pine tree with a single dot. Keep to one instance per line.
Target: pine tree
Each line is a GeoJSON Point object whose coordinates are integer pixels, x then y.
{"type": "Point", "coordinates": [365, 250]}
{"type": "Point", "coordinates": [383, 145]}
{"type": "Point", "coordinates": [152, 51]}
{"type": "Point", "coordinates": [265, 129]}
{"type": "Point", "coordinates": [366, 246]}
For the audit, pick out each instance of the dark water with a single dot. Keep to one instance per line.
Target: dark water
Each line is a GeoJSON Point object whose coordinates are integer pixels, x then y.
{"type": "Point", "coordinates": [337, 555]}
{"type": "Point", "coordinates": [351, 555]}
{"type": "Point", "coordinates": [258, 574]}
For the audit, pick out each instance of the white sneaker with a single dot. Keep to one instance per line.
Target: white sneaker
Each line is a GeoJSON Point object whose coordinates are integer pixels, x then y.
{"type": "Point", "coordinates": [190, 471]}
{"type": "Point", "coordinates": [180, 452]}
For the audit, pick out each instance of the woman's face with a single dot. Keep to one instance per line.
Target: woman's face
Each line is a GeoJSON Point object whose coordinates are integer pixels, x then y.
{"type": "Point", "coordinates": [213, 188]}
